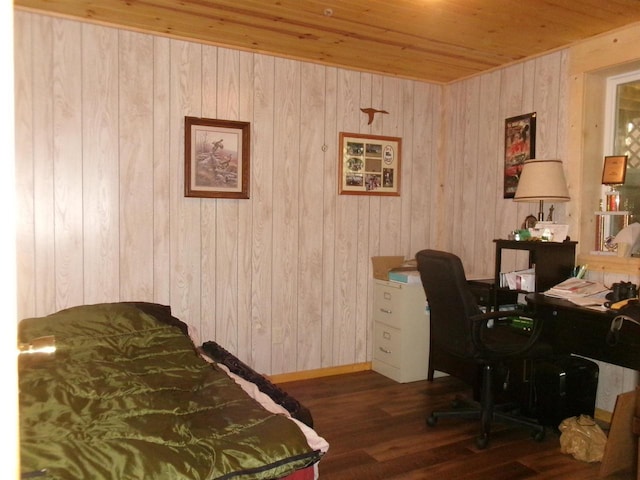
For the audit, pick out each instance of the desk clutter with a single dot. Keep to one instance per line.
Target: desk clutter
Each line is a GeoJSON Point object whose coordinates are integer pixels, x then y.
{"type": "Point", "coordinates": [586, 293]}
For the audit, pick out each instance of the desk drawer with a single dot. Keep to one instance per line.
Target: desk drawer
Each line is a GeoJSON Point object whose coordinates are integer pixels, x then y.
{"type": "Point", "coordinates": [387, 343]}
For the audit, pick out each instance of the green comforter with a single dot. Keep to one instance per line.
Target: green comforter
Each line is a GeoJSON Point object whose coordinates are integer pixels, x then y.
{"type": "Point", "coordinates": [126, 396]}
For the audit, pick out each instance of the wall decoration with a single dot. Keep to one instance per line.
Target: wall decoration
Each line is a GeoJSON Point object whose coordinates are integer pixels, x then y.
{"type": "Point", "coordinates": [216, 158]}
{"type": "Point", "coordinates": [369, 165]}
{"type": "Point", "coordinates": [614, 170]}
{"type": "Point", "coordinates": [519, 146]}
{"type": "Point", "coordinates": [371, 113]}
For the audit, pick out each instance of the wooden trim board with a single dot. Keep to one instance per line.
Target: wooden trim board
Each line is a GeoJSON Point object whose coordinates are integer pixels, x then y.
{"type": "Point", "coordinates": [320, 372]}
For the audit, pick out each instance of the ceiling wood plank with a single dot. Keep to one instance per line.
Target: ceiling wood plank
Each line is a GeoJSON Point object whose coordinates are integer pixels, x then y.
{"type": "Point", "coordinates": [432, 40]}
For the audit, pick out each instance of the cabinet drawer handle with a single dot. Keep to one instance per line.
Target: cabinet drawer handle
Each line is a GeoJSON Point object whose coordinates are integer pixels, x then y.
{"type": "Point", "coordinates": [385, 310]}
{"type": "Point", "coordinates": [386, 335]}
{"type": "Point", "coordinates": [384, 350]}
{"type": "Point", "coordinates": [387, 296]}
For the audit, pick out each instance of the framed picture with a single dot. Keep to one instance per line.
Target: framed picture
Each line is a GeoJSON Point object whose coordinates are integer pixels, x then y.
{"type": "Point", "coordinates": [614, 170]}
{"type": "Point", "coordinates": [519, 146]}
{"type": "Point", "coordinates": [216, 158]}
{"type": "Point", "coordinates": [369, 165]}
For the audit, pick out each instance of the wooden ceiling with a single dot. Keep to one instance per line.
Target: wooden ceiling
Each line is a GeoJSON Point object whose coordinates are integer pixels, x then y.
{"type": "Point", "coordinates": [432, 40]}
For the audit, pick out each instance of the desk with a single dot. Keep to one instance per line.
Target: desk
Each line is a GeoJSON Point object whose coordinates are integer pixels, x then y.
{"type": "Point", "coordinates": [583, 331]}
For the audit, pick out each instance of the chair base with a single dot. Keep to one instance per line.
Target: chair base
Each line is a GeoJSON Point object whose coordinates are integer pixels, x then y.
{"type": "Point", "coordinates": [538, 432]}
{"type": "Point", "coordinates": [488, 413]}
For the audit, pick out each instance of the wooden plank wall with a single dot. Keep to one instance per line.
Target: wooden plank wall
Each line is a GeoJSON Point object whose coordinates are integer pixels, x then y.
{"type": "Point", "coordinates": [283, 279]}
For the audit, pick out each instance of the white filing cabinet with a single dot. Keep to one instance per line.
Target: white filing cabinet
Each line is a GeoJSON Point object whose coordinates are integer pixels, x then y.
{"type": "Point", "coordinates": [401, 331]}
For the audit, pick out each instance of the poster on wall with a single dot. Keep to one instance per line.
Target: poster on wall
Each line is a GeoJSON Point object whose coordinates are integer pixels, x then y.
{"type": "Point", "coordinates": [369, 164]}
{"type": "Point", "coordinates": [519, 146]}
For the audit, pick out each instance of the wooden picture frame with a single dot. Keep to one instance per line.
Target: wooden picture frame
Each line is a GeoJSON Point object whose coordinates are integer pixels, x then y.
{"type": "Point", "coordinates": [216, 158]}
{"type": "Point", "coordinates": [369, 164]}
{"type": "Point", "coordinates": [519, 146]}
{"type": "Point", "coordinates": [614, 170]}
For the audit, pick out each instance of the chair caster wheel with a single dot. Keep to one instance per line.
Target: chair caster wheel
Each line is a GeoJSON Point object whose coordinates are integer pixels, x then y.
{"type": "Point", "coordinates": [431, 421]}
{"type": "Point", "coordinates": [538, 436]}
{"type": "Point", "coordinates": [482, 441]}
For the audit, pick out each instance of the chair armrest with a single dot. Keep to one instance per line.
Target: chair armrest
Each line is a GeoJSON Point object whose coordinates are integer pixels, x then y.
{"type": "Point", "coordinates": [481, 322]}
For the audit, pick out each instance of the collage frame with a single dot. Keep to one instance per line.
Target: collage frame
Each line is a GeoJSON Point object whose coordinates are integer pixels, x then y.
{"type": "Point", "coordinates": [369, 164]}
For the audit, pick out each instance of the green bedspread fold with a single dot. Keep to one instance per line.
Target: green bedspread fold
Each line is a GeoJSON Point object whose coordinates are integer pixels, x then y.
{"type": "Point", "coordinates": [128, 397]}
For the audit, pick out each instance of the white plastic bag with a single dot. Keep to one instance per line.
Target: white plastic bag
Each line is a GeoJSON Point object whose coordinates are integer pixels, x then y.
{"type": "Point", "coordinates": [583, 438]}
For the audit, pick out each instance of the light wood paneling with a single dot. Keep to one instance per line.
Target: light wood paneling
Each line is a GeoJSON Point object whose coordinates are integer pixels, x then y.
{"type": "Point", "coordinates": [282, 279]}
{"type": "Point", "coordinates": [467, 182]}
{"type": "Point", "coordinates": [490, 179]}
{"type": "Point", "coordinates": [286, 177]}
{"type": "Point", "coordinates": [330, 181]}
{"type": "Point", "coordinates": [42, 85]}
{"type": "Point", "coordinates": [262, 192]}
{"type": "Point", "coordinates": [136, 147]}
{"type": "Point", "coordinates": [24, 170]}
{"type": "Point", "coordinates": [421, 181]}
{"type": "Point", "coordinates": [312, 187]}
{"type": "Point", "coordinates": [67, 135]}
{"type": "Point", "coordinates": [161, 173]}
{"type": "Point", "coordinates": [100, 176]}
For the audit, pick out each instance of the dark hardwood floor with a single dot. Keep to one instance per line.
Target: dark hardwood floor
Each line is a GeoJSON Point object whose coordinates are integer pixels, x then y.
{"type": "Point", "coordinates": [376, 430]}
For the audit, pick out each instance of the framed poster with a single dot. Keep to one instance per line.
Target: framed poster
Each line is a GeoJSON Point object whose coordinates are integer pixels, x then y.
{"type": "Point", "coordinates": [519, 146]}
{"type": "Point", "coordinates": [614, 170]}
{"type": "Point", "coordinates": [216, 158]}
{"type": "Point", "coordinates": [369, 164]}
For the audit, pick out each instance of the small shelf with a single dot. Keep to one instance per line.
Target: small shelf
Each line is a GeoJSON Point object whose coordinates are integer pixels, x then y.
{"type": "Point", "coordinates": [612, 212]}
{"type": "Point", "coordinates": [553, 261]}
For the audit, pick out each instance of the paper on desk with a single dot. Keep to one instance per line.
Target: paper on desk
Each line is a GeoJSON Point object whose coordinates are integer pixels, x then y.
{"type": "Point", "coordinates": [592, 301]}
{"type": "Point", "coordinates": [573, 288]}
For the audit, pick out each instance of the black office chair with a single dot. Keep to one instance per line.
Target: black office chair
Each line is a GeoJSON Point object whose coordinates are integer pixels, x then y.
{"type": "Point", "coordinates": [459, 328]}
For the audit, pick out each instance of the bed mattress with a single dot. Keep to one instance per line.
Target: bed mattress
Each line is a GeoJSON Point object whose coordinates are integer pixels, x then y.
{"type": "Point", "coordinates": [128, 396]}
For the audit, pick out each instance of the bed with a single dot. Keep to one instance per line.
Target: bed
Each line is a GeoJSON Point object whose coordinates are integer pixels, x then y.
{"type": "Point", "coordinates": [127, 395]}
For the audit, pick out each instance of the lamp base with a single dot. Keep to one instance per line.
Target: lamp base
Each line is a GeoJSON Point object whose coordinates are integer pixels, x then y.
{"type": "Point", "coordinates": [541, 211]}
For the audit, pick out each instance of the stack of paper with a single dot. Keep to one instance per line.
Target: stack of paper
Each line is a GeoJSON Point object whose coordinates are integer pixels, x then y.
{"type": "Point", "coordinates": [575, 288]}
{"type": "Point", "coordinates": [519, 280]}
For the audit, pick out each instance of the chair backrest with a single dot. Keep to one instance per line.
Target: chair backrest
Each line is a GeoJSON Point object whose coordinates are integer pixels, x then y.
{"type": "Point", "coordinates": [451, 302]}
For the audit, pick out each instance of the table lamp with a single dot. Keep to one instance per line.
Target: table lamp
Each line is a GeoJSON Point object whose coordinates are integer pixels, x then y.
{"type": "Point", "coordinates": [542, 180]}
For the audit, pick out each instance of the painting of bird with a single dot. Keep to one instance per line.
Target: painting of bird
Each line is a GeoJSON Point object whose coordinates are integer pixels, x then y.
{"type": "Point", "coordinates": [371, 112]}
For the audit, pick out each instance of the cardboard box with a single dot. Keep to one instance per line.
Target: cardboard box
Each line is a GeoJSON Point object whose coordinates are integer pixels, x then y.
{"type": "Point", "coordinates": [382, 265]}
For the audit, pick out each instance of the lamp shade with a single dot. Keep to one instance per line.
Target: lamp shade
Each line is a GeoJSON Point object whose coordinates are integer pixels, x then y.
{"type": "Point", "coordinates": [542, 180]}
